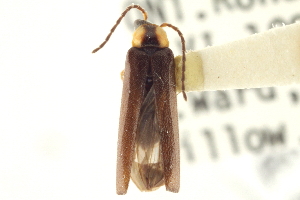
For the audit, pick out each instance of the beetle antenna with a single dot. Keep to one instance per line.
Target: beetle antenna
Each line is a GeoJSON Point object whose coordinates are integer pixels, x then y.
{"type": "Point", "coordinates": [183, 56]}
{"type": "Point", "coordinates": [118, 22]}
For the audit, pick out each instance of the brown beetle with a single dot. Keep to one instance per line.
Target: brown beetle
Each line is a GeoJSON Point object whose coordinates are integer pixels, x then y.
{"type": "Point", "coordinates": [148, 140]}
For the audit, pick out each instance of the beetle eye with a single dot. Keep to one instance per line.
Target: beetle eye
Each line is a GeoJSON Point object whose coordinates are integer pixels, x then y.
{"type": "Point", "coordinates": [139, 22]}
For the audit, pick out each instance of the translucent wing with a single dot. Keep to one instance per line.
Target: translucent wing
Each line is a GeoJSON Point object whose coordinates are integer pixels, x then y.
{"type": "Point", "coordinates": [147, 169]}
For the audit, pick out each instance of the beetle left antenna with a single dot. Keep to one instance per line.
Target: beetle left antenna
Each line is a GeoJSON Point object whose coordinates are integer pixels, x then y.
{"type": "Point", "coordinates": [183, 56]}
{"type": "Point", "coordinates": [118, 22]}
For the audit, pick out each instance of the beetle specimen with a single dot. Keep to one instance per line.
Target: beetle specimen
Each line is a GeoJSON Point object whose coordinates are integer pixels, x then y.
{"type": "Point", "coordinates": [148, 140]}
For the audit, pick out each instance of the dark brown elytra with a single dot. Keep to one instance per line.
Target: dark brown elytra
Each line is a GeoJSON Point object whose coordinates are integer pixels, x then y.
{"type": "Point", "coordinates": [145, 15]}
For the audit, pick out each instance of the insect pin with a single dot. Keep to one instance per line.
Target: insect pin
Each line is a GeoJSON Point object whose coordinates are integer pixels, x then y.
{"type": "Point", "coordinates": [148, 139]}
